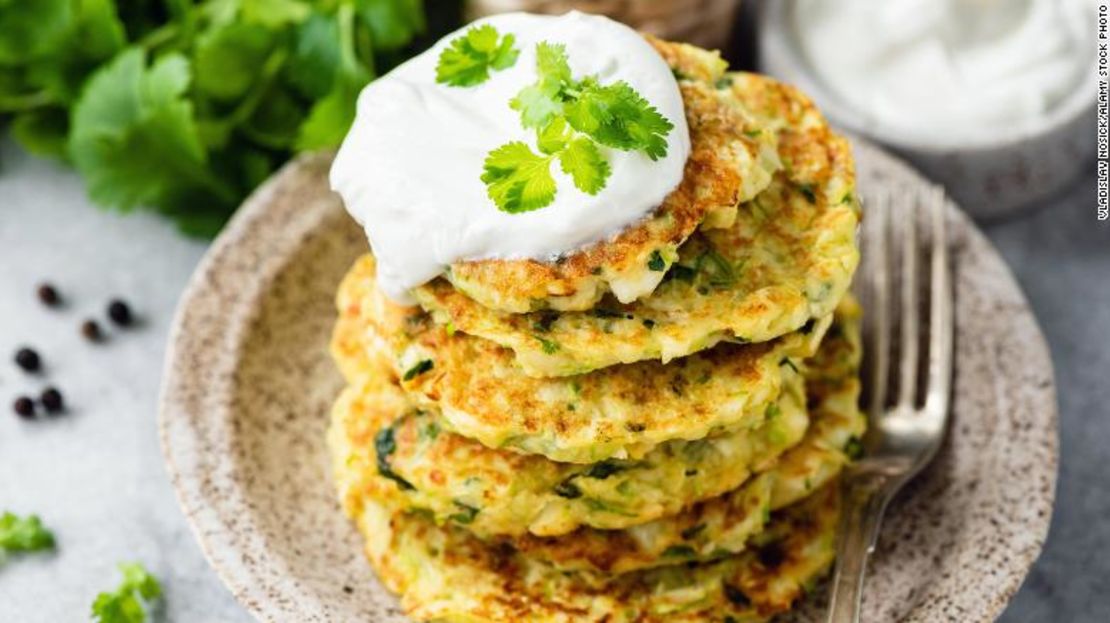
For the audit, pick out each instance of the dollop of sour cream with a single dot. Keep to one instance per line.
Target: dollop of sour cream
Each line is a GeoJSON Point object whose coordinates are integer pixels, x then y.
{"type": "Point", "coordinates": [944, 71]}
{"type": "Point", "coordinates": [410, 168]}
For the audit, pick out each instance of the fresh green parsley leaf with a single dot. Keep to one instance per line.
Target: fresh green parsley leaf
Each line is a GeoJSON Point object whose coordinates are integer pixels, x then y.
{"type": "Point", "coordinates": [27, 29]}
{"type": "Point", "coordinates": [554, 137]}
{"type": "Point", "coordinates": [583, 162]}
{"type": "Point", "coordinates": [469, 58]}
{"type": "Point", "coordinates": [227, 59]}
{"type": "Point", "coordinates": [571, 118]}
{"type": "Point", "coordinates": [330, 118]}
{"type": "Point", "coordinates": [617, 116]}
{"type": "Point", "coordinates": [42, 132]}
{"type": "Point", "coordinates": [130, 601]}
{"type": "Point", "coordinates": [135, 137]}
{"type": "Point", "coordinates": [24, 534]}
{"type": "Point", "coordinates": [552, 63]}
{"type": "Point", "coordinates": [656, 262]}
{"type": "Point", "coordinates": [542, 102]}
{"type": "Point", "coordinates": [392, 23]}
{"type": "Point", "coordinates": [518, 179]}
{"type": "Point", "coordinates": [316, 56]}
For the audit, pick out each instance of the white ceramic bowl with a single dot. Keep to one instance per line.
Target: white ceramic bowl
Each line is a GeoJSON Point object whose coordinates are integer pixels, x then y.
{"type": "Point", "coordinates": [991, 177]}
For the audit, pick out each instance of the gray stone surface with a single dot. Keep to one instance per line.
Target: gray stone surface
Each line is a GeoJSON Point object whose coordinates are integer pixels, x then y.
{"type": "Point", "coordinates": [96, 474]}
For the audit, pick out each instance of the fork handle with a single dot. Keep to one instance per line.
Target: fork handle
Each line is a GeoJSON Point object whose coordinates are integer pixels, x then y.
{"type": "Point", "coordinates": [866, 495]}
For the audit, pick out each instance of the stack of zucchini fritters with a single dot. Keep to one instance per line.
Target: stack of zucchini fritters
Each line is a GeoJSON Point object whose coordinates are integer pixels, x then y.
{"type": "Point", "coordinates": [648, 429]}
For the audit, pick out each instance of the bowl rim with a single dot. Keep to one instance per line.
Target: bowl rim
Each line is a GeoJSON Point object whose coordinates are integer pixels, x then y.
{"type": "Point", "coordinates": [780, 56]}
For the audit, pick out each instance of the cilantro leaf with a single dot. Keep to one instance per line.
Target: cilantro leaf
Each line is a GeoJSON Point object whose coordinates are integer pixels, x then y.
{"type": "Point", "coordinates": [392, 23]}
{"type": "Point", "coordinates": [541, 102]}
{"type": "Point", "coordinates": [316, 54]}
{"type": "Point", "coordinates": [227, 59]}
{"type": "Point", "coordinates": [552, 63]}
{"type": "Point", "coordinates": [553, 138]}
{"type": "Point", "coordinates": [583, 162]}
{"type": "Point", "coordinates": [42, 132]}
{"type": "Point", "coordinates": [468, 59]}
{"type": "Point", "coordinates": [332, 116]}
{"type": "Point", "coordinates": [129, 602]}
{"type": "Point", "coordinates": [23, 534]}
{"type": "Point", "coordinates": [517, 179]}
{"type": "Point", "coordinates": [571, 118]}
{"type": "Point", "coordinates": [617, 116]}
{"type": "Point", "coordinates": [135, 138]}
{"type": "Point", "coordinates": [28, 29]}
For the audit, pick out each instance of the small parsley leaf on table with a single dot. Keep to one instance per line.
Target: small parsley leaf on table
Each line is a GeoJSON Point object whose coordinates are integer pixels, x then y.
{"type": "Point", "coordinates": [518, 179]}
{"type": "Point", "coordinates": [129, 602]}
{"type": "Point", "coordinates": [24, 534]}
{"type": "Point", "coordinates": [469, 58]}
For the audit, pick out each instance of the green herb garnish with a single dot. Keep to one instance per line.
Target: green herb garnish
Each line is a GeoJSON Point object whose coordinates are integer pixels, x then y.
{"type": "Point", "coordinates": [384, 445]}
{"type": "Point", "coordinates": [470, 58]}
{"type": "Point", "coordinates": [656, 262]}
{"type": "Point", "coordinates": [550, 347]}
{"type": "Point", "coordinates": [421, 367]}
{"type": "Point", "coordinates": [572, 119]}
{"type": "Point", "coordinates": [183, 108]}
{"type": "Point", "coordinates": [24, 534]}
{"type": "Point", "coordinates": [466, 515]}
{"type": "Point", "coordinates": [603, 470]}
{"type": "Point", "coordinates": [679, 551]}
{"type": "Point", "coordinates": [130, 601]}
{"type": "Point", "coordinates": [568, 489]}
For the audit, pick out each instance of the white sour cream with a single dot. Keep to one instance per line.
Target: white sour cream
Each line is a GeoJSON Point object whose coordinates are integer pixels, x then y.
{"type": "Point", "coordinates": [409, 170]}
{"type": "Point", "coordinates": [946, 71]}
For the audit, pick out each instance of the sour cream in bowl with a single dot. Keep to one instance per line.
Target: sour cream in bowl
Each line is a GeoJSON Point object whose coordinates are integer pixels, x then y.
{"type": "Point", "coordinates": [993, 98]}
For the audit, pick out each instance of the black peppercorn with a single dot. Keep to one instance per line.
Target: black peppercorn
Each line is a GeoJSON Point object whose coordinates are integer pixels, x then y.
{"type": "Point", "coordinates": [28, 360]}
{"type": "Point", "coordinates": [119, 312]}
{"type": "Point", "coordinates": [91, 330]}
{"type": "Point", "coordinates": [24, 406]}
{"type": "Point", "coordinates": [52, 400]}
{"type": "Point", "coordinates": [48, 295]}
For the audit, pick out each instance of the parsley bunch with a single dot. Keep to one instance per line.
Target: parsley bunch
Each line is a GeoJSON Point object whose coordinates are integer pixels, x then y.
{"type": "Point", "coordinates": [572, 117]}
{"type": "Point", "coordinates": [130, 601]}
{"type": "Point", "coordinates": [183, 107]}
{"type": "Point", "coordinates": [23, 534]}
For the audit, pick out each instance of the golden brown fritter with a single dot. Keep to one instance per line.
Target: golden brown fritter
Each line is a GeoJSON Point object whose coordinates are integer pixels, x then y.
{"type": "Point", "coordinates": [618, 412]}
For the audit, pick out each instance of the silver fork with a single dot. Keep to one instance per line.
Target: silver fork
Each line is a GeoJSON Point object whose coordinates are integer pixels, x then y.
{"type": "Point", "coordinates": [907, 419]}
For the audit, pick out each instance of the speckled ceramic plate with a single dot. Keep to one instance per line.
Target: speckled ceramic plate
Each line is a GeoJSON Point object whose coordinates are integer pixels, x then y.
{"type": "Point", "coordinates": [248, 385]}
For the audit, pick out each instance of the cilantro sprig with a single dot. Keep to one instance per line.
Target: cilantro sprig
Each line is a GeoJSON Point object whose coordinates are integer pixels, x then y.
{"type": "Point", "coordinates": [468, 60]}
{"type": "Point", "coordinates": [572, 118]}
{"type": "Point", "coordinates": [24, 534]}
{"type": "Point", "coordinates": [183, 108]}
{"type": "Point", "coordinates": [130, 601]}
